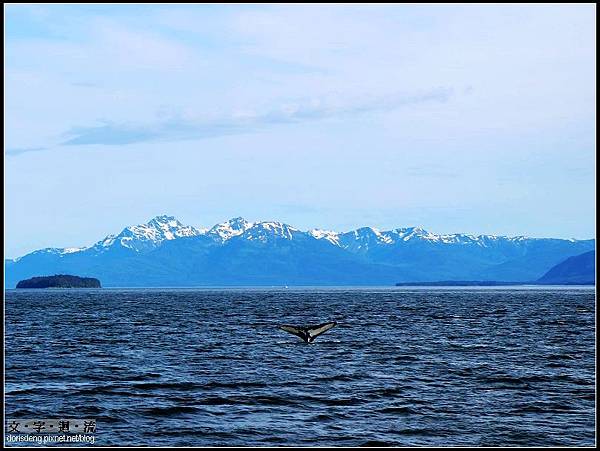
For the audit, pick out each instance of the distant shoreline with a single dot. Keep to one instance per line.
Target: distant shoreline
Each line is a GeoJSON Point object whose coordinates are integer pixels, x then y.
{"type": "Point", "coordinates": [484, 283]}
{"type": "Point", "coordinates": [519, 285]}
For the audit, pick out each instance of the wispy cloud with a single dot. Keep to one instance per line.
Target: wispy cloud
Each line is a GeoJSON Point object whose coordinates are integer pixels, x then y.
{"type": "Point", "coordinates": [20, 150]}
{"type": "Point", "coordinates": [181, 128]}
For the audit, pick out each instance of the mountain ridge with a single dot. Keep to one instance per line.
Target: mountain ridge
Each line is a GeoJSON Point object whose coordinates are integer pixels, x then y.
{"type": "Point", "coordinates": [578, 269]}
{"type": "Point", "coordinates": [166, 251]}
{"type": "Point", "coordinates": [166, 227]}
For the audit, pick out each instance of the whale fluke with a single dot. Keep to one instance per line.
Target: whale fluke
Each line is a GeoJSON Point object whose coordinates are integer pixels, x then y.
{"type": "Point", "coordinates": [308, 333]}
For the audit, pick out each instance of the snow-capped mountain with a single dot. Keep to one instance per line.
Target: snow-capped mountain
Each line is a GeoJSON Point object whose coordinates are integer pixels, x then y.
{"type": "Point", "coordinates": [363, 239]}
{"type": "Point", "coordinates": [137, 238]}
{"type": "Point", "coordinates": [143, 237]}
{"type": "Point", "coordinates": [150, 235]}
{"type": "Point", "coordinates": [253, 231]}
{"type": "Point", "coordinates": [229, 229]}
{"type": "Point", "coordinates": [268, 231]}
{"type": "Point", "coordinates": [166, 252]}
{"type": "Point", "coordinates": [366, 239]}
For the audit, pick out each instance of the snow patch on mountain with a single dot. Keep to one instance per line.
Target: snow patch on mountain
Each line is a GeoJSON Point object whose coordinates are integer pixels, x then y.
{"type": "Point", "coordinates": [264, 231]}
{"type": "Point", "coordinates": [71, 250]}
{"type": "Point", "coordinates": [329, 235]}
{"type": "Point", "coordinates": [370, 233]}
{"type": "Point", "coordinates": [228, 229]}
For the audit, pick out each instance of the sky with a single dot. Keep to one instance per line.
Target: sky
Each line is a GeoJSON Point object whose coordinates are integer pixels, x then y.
{"type": "Point", "coordinates": [458, 119]}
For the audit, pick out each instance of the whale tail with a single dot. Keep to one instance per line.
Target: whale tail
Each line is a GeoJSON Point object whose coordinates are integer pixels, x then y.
{"type": "Point", "coordinates": [308, 333]}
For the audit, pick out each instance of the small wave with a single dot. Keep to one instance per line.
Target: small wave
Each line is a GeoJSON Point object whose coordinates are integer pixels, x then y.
{"type": "Point", "coordinates": [101, 389]}
{"type": "Point", "coordinates": [110, 391]}
{"type": "Point", "coordinates": [23, 391]}
{"type": "Point", "coordinates": [405, 358]}
{"type": "Point", "coordinates": [322, 417]}
{"type": "Point", "coordinates": [468, 346]}
{"type": "Point", "coordinates": [342, 401]}
{"type": "Point", "coordinates": [562, 357]}
{"type": "Point", "coordinates": [399, 410]}
{"type": "Point", "coordinates": [201, 433]}
{"type": "Point", "coordinates": [263, 400]}
{"type": "Point", "coordinates": [89, 409]}
{"type": "Point", "coordinates": [247, 400]}
{"type": "Point", "coordinates": [415, 431]}
{"type": "Point", "coordinates": [338, 377]}
{"type": "Point", "coordinates": [503, 383]}
{"type": "Point", "coordinates": [275, 439]}
{"type": "Point", "coordinates": [217, 401]}
{"type": "Point", "coordinates": [465, 372]}
{"type": "Point", "coordinates": [268, 400]}
{"type": "Point", "coordinates": [24, 413]}
{"type": "Point", "coordinates": [502, 380]}
{"type": "Point", "coordinates": [168, 411]}
{"type": "Point", "coordinates": [376, 443]}
{"type": "Point", "coordinates": [101, 419]}
{"type": "Point", "coordinates": [216, 385]}
{"type": "Point", "coordinates": [510, 379]}
{"type": "Point", "coordinates": [543, 407]}
{"type": "Point", "coordinates": [142, 377]}
{"type": "Point", "coordinates": [110, 374]}
{"type": "Point", "coordinates": [167, 385]}
{"type": "Point", "coordinates": [388, 391]}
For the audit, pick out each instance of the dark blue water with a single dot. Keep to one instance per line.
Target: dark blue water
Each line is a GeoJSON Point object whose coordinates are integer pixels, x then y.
{"type": "Point", "coordinates": [403, 367]}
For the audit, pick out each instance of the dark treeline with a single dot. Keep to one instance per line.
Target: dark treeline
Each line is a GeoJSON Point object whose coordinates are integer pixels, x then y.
{"type": "Point", "coordinates": [59, 281]}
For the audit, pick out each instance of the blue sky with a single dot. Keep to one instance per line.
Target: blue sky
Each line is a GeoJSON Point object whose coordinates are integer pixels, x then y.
{"type": "Point", "coordinates": [457, 119]}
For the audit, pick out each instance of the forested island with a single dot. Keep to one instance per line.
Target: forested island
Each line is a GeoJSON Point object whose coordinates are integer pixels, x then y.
{"type": "Point", "coordinates": [60, 281]}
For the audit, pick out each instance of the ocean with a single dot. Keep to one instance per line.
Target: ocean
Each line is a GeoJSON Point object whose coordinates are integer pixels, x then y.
{"type": "Point", "coordinates": [404, 366]}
